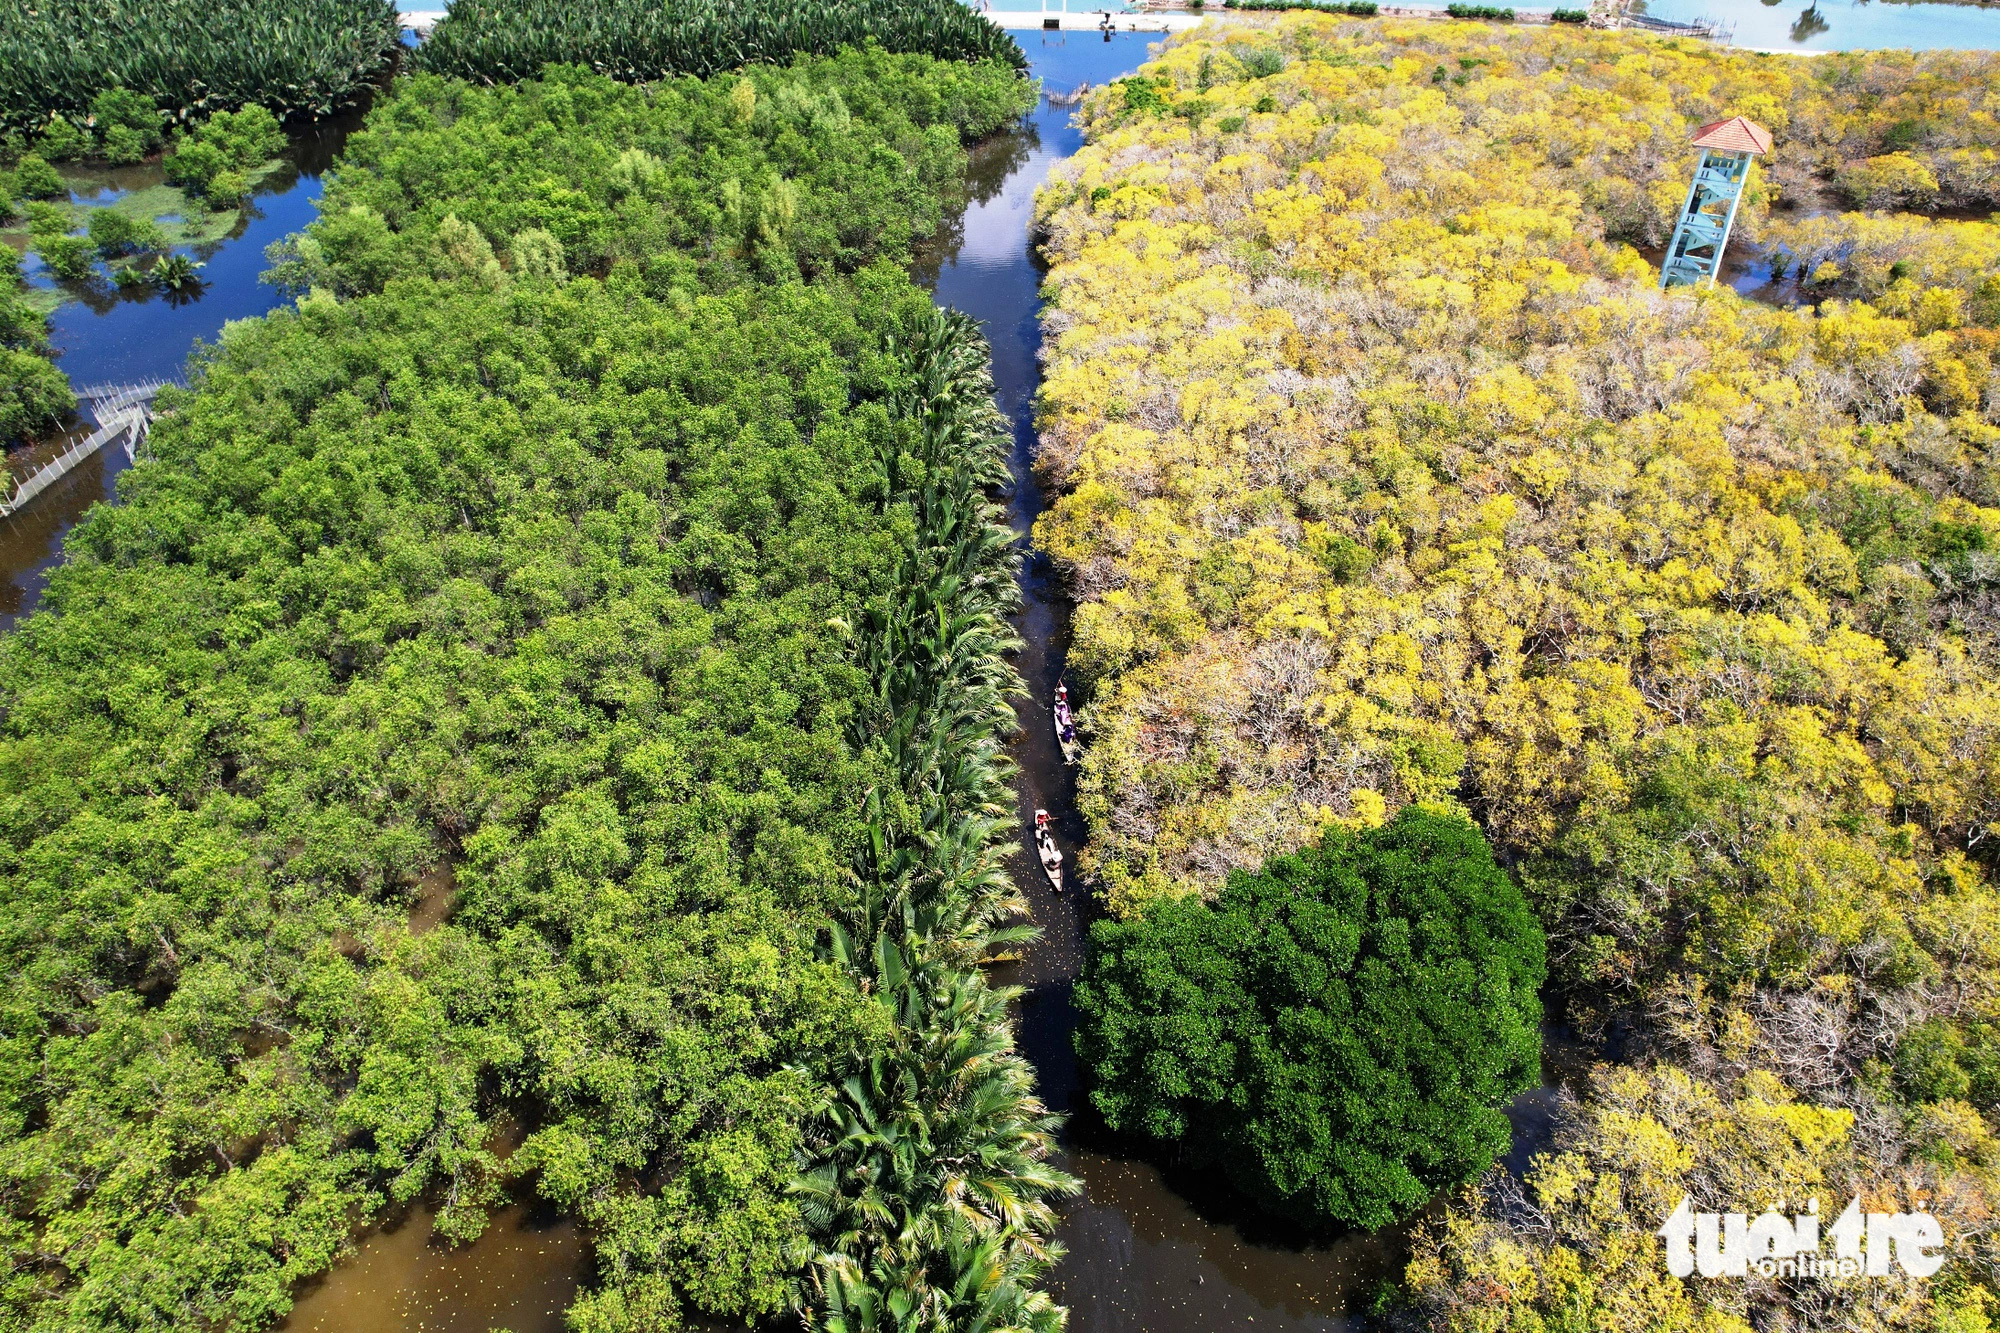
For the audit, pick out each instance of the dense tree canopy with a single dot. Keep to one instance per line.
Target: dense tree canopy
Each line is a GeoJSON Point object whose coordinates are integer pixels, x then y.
{"type": "Point", "coordinates": [807, 168]}
{"type": "Point", "coordinates": [33, 393]}
{"type": "Point", "coordinates": [532, 581]}
{"type": "Point", "coordinates": [1338, 1031]}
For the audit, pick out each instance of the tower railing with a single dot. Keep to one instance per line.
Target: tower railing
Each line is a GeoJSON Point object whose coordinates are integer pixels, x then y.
{"type": "Point", "coordinates": [1701, 229]}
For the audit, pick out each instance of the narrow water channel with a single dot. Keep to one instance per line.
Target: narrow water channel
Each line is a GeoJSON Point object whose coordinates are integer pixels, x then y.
{"type": "Point", "coordinates": [1147, 1249]}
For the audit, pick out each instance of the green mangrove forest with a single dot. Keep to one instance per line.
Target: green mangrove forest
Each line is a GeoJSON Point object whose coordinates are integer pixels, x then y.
{"type": "Point", "coordinates": [605, 527]}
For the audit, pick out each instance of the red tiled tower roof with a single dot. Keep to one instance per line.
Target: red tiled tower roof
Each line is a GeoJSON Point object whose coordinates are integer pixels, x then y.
{"type": "Point", "coordinates": [1735, 135]}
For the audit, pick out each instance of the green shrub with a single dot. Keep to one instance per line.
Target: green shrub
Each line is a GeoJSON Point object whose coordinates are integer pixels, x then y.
{"type": "Point", "coordinates": [1262, 62]}
{"type": "Point", "coordinates": [538, 254]}
{"type": "Point", "coordinates": [36, 179]}
{"type": "Point", "coordinates": [61, 141]}
{"type": "Point", "coordinates": [305, 57]}
{"type": "Point", "coordinates": [122, 108]}
{"type": "Point", "coordinates": [1480, 12]}
{"type": "Point", "coordinates": [67, 256]}
{"type": "Point", "coordinates": [127, 125]}
{"type": "Point", "coordinates": [1569, 16]}
{"type": "Point", "coordinates": [251, 136]}
{"type": "Point", "coordinates": [116, 234]}
{"type": "Point", "coordinates": [192, 163]}
{"type": "Point", "coordinates": [1927, 1063]}
{"type": "Point", "coordinates": [638, 41]}
{"type": "Point", "coordinates": [227, 189]}
{"type": "Point", "coordinates": [231, 143]}
{"type": "Point", "coordinates": [1338, 1032]}
{"type": "Point", "coordinates": [812, 169]}
{"type": "Point", "coordinates": [1343, 558]}
{"type": "Point", "coordinates": [33, 395]}
{"type": "Point", "coordinates": [123, 145]}
{"type": "Point", "coordinates": [46, 219]}
{"type": "Point", "coordinates": [1935, 1061]}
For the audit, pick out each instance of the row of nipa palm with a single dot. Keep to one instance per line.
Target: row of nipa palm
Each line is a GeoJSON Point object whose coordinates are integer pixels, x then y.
{"type": "Point", "coordinates": [637, 41]}
{"type": "Point", "coordinates": [192, 57]}
{"type": "Point", "coordinates": [927, 1189]}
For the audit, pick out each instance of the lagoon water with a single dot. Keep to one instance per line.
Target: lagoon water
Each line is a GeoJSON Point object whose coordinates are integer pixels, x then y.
{"type": "Point", "coordinates": [1843, 25]}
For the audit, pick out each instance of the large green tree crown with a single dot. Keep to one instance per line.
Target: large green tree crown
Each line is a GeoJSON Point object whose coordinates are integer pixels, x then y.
{"type": "Point", "coordinates": [1338, 1030]}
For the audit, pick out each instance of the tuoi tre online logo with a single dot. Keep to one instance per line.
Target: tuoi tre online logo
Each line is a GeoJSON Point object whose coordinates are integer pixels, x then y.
{"type": "Point", "coordinates": [1864, 1244]}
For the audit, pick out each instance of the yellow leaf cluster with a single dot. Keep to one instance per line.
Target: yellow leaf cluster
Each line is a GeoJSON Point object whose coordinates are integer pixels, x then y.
{"type": "Point", "coordinates": [1573, 1247]}
{"type": "Point", "coordinates": [1385, 473]}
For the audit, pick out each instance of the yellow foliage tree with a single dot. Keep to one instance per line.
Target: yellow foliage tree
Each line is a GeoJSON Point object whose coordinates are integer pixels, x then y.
{"type": "Point", "coordinates": [1385, 473]}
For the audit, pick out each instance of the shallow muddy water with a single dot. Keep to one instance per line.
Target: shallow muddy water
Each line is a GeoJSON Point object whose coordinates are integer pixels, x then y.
{"type": "Point", "coordinates": [520, 1276]}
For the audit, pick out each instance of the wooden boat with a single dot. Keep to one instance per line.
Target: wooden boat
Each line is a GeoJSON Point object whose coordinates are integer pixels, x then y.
{"type": "Point", "coordinates": [1066, 741]}
{"type": "Point", "coordinates": [1046, 849]}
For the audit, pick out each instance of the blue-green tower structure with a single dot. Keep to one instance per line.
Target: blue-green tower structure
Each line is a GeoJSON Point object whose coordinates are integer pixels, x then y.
{"type": "Point", "coordinates": [1695, 253]}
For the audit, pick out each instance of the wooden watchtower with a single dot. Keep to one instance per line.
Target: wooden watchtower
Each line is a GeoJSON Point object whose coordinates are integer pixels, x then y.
{"type": "Point", "coordinates": [1695, 253]}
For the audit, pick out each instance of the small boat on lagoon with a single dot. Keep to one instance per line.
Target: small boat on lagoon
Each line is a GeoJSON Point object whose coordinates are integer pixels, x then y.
{"type": "Point", "coordinates": [1072, 749]}
{"type": "Point", "coordinates": [1047, 851]}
